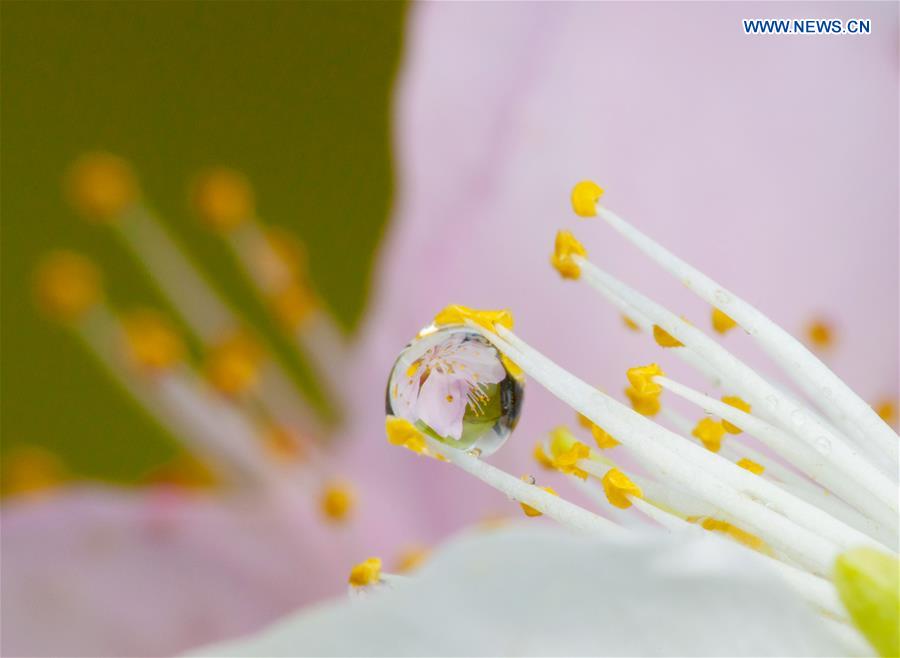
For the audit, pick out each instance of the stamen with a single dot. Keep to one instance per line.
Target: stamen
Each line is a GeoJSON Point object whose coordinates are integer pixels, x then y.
{"type": "Point", "coordinates": [337, 502]}
{"type": "Point", "coordinates": [721, 322]}
{"type": "Point", "coordinates": [528, 509]}
{"type": "Point", "coordinates": [619, 489]}
{"type": "Point", "coordinates": [566, 247]}
{"type": "Point", "coordinates": [737, 403]}
{"type": "Point", "coordinates": [101, 186]}
{"type": "Point", "coordinates": [560, 510]}
{"type": "Point", "coordinates": [752, 466]}
{"type": "Point", "coordinates": [223, 198]}
{"type": "Point", "coordinates": [401, 432]}
{"type": "Point", "coordinates": [66, 285]}
{"type": "Point", "coordinates": [786, 446]}
{"type": "Point", "coordinates": [411, 559]}
{"type": "Point", "coordinates": [828, 391]}
{"type": "Point", "coordinates": [154, 345]}
{"type": "Point", "coordinates": [456, 314]}
{"type": "Point", "coordinates": [585, 196]}
{"type": "Point", "coordinates": [367, 572]}
{"type": "Point", "coordinates": [232, 366]}
{"type": "Point", "coordinates": [631, 324]}
{"type": "Point", "coordinates": [710, 434]}
{"type": "Point", "coordinates": [664, 339]}
{"type": "Point", "coordinates": [695, 469]}
{"type": "Point", "coordinates": [820, 334]}
{"type": "Point", "coordinates": [817, 435]}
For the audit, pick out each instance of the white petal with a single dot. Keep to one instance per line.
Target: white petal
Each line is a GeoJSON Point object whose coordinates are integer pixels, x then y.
{"type": "Point", "coordinates": [540, 591]}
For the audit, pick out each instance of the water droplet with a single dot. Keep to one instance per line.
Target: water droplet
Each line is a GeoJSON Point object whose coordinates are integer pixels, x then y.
{"type": "Point", "coordinates": [452, 384]}
{"type": "Point", "coordinates": [722, 297]}
{"type": "Point", "coordinates": [823, 445]}
{"type": "Point", "coordinates": [798, 418]}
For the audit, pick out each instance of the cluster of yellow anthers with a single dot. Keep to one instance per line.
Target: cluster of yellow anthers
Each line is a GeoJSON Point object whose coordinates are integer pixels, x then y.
{"type": "Point", "coordinates": [824, 481]}
{"type": "Point", "coordinates": [221, 389]}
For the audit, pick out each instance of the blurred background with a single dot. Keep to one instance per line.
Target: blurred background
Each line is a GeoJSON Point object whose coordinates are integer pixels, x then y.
{"type": "Point", "coordinates": [417, 156]}
{"type": "Point", "coordinates": [297, 96]}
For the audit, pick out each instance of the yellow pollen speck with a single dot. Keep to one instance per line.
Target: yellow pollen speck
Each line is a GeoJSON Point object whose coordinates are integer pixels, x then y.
{"type": "Point", "coordinates": [664, 339]}
{"type": "Point", "coordinates": [631, 324]}
{"type": "Point", "coordinates": [223, 199]}
{"type": "Point", "coordinates": [411, 558]}
{"type": "Point", "coordinates": [737, 403]}
{"type": "Point", "coordinates": [31, 471]}
{"type": "Point", "coordinates": [584, 421]}
{"type": "Point", "coordinates": [751, 466]}
{"type": "Point", "coordinates": [337, 501]}
{"type": "Point", "coordinates": [585, 196]}
{"type": "Point", "coordinates": [232, 367]}
{"type": "Point", "coordinates": [413, 367]}
{"type": "Point", "coordinates": [66, 285]}
{"type": "Point", "coordinates": [529, 510]}
{"type": "Point", "coordinates": [541, 457]}
{"type": "Point", "coordinates": [401, 432]}
{"type": "Point", "coordinates": [153, 344]}
{"type": "Point", "coordinates": [710, 433]}
{"type": "Point", "coordinates": [101, 186]}
{"type": "Point", "coordinates": [365, 573]}
{"type": "Point", "coordinates": [721, 322]}
{"type": "Point", "coordinates": [512, 368]}
{"type": "Point", "coordinates": [820, 334]}
{"type": "Point", "coordinates": [604, 440]}
{"type": "Point", "coordinates": [646, 405]}
{"type": "Point", "coordinates": [618, 488]}
{"type": "Point", "coordinates": [293, 304]}
{"type": "Point", "coordinates": [887, 410]}
{"type": "Point", "coordinates": [641, 379]}
{"type": "Point", "coordinates": [456, 314]}
{"type": "Point", "coordinates": [185, 471]}
{"type": "Point", "coordinates": [565, 247]}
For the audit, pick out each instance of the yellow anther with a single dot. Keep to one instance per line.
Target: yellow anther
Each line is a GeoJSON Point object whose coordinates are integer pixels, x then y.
{"type": "Point", "coordinates": [585, 196]}
{"type": "Point", "coordinates": [411, 558]}
{"type": "Point", "coordinates": [646, 405]}
{"type": "Point", "coordinates": [722, 323]}
{"type": "Point", "coordinates": [820, 334]}
{"type": "Point", "coordinates": [367, 572]}
{"type": "Point", "coordinates": [232, 367]}
{"type": "Point", "coordinates": [223, 198]}
{"type": "Point", "coordinates": [66, 285]}
{"type": "Point", "coordinates": [752, 466]}
{"type": "Point", "coordinates": [584, 421]}
{"type": "Point", "coordinates": [565, 248]}
{"type": "Point", "coordinates": [293, 304]}
{"type": "Point", "coordinates": [283, 445]}
{"type": "Point", "coordinates": [631, 324]}
{"type": "Point", "coordinates": [456, 314]}
{"type": "Point", "coordinates": [541, 457]}
{"type": "Point", "coordinates": [512, 368]}
{"type": "Point", "coordinates": [619, 488]}
{"type": "Point", "coordinates": [153, 344]}
{"type": "Point", "coordinates": [664, 339]}
{"type": "Point", "coordinates": [887, 410]}
{"type": "Point", "coordinates": [101, 186]}
{"type": "Point", "coordinates": [30, 471]}
{"type": "Point", "coordinates": [641, 379]}
{"type": "Point", "coordinates": [337, 501]}
{"type": "Point", "coordinates": [401, 432]}
{"type": "Point", "coordinates": [740, 536]}
{"type": "Point", "coordinates": [289, 252]}
{"type": "Point", "coordinates": [529, 510]}
{"type": "Point", "coordinates": [566, 461]}
{"type": "Point", "coordinates": [604, 440]}
{"type": "Point", "coordinates": [737, 403]}
{"type": "Point", "coordinates": [710, 433]}
{"type": "Point", "coordinates": [184, 470]}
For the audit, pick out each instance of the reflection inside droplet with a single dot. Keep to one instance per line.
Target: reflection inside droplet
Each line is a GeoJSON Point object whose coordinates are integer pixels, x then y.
{"type": "Point", "coordinates": [453, 385]}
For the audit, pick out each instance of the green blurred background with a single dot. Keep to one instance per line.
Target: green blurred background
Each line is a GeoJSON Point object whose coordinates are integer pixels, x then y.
{"type": "Point", "coordinates": [297, 95]}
